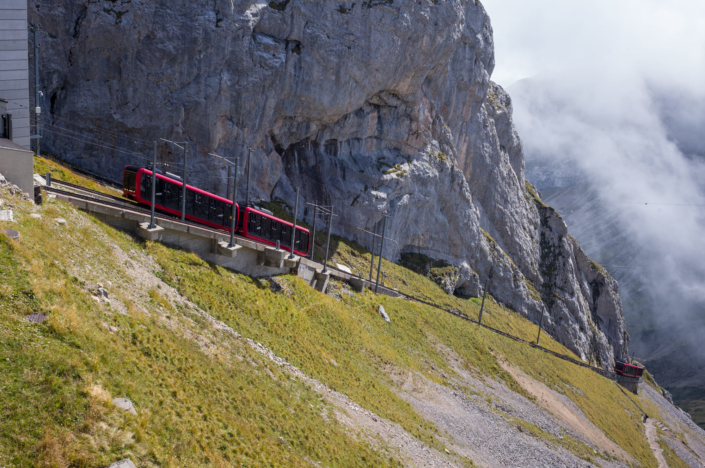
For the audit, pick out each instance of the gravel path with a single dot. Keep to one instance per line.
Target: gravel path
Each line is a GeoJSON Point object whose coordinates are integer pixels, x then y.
{"type": "Point", "coordinates": [652, 437]}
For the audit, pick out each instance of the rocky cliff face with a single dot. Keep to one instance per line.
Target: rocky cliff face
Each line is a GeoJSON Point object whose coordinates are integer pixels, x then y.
{"type": "Point", "coordinates": [379, 106]}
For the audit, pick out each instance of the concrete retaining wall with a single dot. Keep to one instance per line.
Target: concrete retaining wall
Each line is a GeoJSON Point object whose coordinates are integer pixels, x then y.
{"type": "Point", "coordinates": [17, 165]}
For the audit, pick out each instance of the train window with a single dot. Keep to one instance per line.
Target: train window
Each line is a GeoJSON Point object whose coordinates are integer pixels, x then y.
{"type": "Point", "coordinates": [146, 186]}
{"type": "Point", "coordinates": [275, 231]}
{"type": "Point", "coordinates": [285, 236]}
{"type": "Point", "coordinates": [190, 201]}
{"type": "Point", "coordinates": [227, 214]}
{"type": "Point", "coordinates": [220, 212]}
{"type": "Point", "coordinates": [302, 240]}
{"type": "Point", "coordinates": [266, 228]}
{"type": "Point", "coordinates": [254, 225]}
{"type": "Point", "coordinates": [129, 179]}
{"type": "Point", "coordinates": [171, 197]}
{"type": "Point", "coordinates": [200, 206]}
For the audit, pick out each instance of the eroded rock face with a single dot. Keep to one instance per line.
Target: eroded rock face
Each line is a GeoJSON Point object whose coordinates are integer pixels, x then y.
{"type": "Point", "coordinates": [374, 106]}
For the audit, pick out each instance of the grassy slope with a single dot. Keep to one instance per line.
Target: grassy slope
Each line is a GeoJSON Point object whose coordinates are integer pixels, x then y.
{"type": "Point", "coordinates": [198, 409]}
{"type": "Point", "coordinates": [60, 171]}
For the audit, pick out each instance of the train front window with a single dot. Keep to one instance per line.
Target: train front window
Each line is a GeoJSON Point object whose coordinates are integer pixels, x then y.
{"type": "Point", "coordinates": [129, 180]}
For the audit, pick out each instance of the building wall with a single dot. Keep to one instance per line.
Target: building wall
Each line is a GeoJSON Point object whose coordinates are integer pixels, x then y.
{"type": "Point", "coordinates": [17, 165]}
{"type": "Point", "coordinates": [14, 62]}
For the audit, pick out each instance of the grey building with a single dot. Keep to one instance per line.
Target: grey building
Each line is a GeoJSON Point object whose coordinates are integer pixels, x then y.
{"type": "Point", "coordinates": [14, 62]}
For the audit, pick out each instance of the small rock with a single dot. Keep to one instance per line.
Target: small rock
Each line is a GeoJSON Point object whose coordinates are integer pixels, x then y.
{"type": "Point", "coordinates": [667, 395]}
{"type": "Point", "coordinates": [110, 327]}
{"type": "Point", "coordinates": [447, 451]}
{"type": "Point", "coordinates": [383, 314]}
{"type": "Point", "coordinates": [332, 361]}
{"type": "Point", "coordinates": [520, 428]}
{"type": "Point", "coordinates": [35, 216]}
{"type": "Point", "coordinates": [281, 440]}
{"type": "Point", "coordinates": [6, 215]}
{"type": "Point", "coordinates": [126, 463]}
{"type": "Point", "coordinates": [126, 404]}
{"type": "Point", "coordinates": [61, 221]}
{"type": "Point", "coordinates": [36, 318]}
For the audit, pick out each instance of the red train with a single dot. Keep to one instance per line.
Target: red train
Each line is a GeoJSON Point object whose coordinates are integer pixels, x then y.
{"type": "Point", "coordinates": [628, 370]}
{"type": "Point", "coordinates": [212, 210]}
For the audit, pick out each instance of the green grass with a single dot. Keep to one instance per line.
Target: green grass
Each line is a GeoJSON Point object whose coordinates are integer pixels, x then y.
{"type": "Point", "coordinates": [229, 405]}
{"type": "Point", "coordinates": [194, 408]}
{"type": "Point", "coordinates": [61, 171]}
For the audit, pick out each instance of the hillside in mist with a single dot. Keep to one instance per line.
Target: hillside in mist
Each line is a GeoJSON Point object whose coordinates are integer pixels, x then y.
{"type": "Point", "coordinates": [625, 169]}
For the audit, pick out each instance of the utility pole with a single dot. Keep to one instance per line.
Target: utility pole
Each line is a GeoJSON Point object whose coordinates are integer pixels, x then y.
{"type": "Point", "coordinates": [37, 107]}
{"type": "Point", "coordinates": [374, 244]}
{"type": "Point", "coordinates": [313, 239]}
{"type": "Point", "coordinates": [330, 226]}
{"type": "Point", "coordinates": [247, 196]}
{"type": "Point", "coordinates": [154, 186]}
{"type": "Point", "coordinates": [293, 231]}
{"type": "Point", "coordinates": [482, 307]}
{"type": "Point", "coordinates": [227, 190]}
{"type": "Point", "coordinates": [381, 251]}
{"type": "Point", "coordinates": [543, 312]}
{"type": "Point", "coordinates": [234, 212]}
{"type": "Point", "coordinates": [183, 188]}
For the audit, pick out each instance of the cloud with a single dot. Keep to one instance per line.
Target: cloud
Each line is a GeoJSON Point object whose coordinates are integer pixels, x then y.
{"type": "Point", "coordinates": [662, 40]}
{"type": "Point", "coordinates": [612, 95]}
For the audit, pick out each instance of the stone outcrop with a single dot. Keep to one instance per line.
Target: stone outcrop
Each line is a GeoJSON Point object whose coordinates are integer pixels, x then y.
{"type": "Point", "coordinates": [378, 106]}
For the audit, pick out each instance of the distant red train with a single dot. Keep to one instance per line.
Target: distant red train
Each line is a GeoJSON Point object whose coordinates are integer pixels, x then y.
{"type": "Point", "coordinates": [628, 370]}
{"type": "Point", "coordinates": [214, 211]}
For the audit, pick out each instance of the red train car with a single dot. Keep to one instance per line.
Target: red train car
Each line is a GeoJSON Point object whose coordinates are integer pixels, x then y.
{"type": "Point", "coordinates": [209, 209]}
{"type": "Point", "coordinates": [264, 227]}
{"type": "Point", "coordinates": [628, 370]}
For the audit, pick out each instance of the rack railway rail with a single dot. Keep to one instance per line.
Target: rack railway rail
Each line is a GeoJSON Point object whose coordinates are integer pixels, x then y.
{"type": "Point", "coordinates": [85, 194]}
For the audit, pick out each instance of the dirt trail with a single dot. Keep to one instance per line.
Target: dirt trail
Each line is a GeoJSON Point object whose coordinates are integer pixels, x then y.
{"type": "Point", "coordinates": [573, 417]}
{"type": "Point", "coordinates": [652, 437]}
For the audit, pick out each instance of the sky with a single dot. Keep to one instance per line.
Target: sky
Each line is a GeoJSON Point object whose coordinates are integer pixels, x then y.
{"type": "Point", "coordinates": [661, 39]}
{"type": "Point", "coordinates": [615, 93]}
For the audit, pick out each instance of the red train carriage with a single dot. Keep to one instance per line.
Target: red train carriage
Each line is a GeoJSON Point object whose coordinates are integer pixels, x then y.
{"type": "Point", "coordinates": [214, 211]}
{"type": "Point", "coordinates": [628, 370]}
{"type": "Point", "coordinates": [263, 227]}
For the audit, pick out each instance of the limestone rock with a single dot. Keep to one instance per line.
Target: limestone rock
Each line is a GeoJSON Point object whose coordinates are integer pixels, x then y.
{"type": "Point", "coordinates": [383, 313]}
{"type": "Point", "coordinates": [667, 395]}
{"type": "Point", "coordinates": [125, 404]}
{"type": "Point", "coordinates": [126, 463]}
{"type": "Point", "coordinates": [384, 107]}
